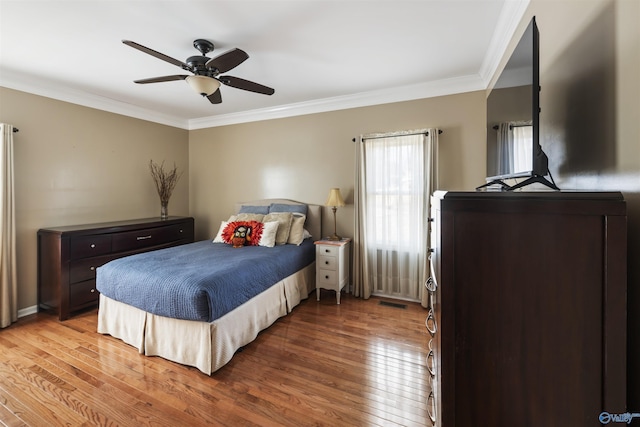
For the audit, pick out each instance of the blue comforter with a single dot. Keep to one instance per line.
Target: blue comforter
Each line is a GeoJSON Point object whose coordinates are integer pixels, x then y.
{"type": "Point", "coordinates": [202, 280]}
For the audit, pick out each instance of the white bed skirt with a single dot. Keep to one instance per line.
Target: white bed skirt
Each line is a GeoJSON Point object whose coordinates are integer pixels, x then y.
{"type": "Point", "coordinates": [206, 346]}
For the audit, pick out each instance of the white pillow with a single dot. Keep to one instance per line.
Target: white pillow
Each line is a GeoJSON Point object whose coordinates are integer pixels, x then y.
{"type": "Point", "coordinates": [306, 234]}
{"type": "Point", "coordinates": [269, 232]}
{"type": "Point", "coordinates": [218, 238]}
{"type": "Point", "coordinates": [296, 234]}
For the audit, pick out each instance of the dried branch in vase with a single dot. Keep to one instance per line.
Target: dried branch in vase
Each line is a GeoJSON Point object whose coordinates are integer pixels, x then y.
{"type": "Point", "coordinates": [165, 180]}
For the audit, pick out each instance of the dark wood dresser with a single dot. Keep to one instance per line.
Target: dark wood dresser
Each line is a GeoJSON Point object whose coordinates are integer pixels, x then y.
{"type": "Point", "coordinates": [68, 256]}
{"type": "Point", "coordinates": [528, 318]}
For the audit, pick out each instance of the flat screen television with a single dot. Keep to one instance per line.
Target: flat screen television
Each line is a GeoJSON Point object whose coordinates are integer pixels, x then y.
{"type": "Point", "coordinates": [513, 120]}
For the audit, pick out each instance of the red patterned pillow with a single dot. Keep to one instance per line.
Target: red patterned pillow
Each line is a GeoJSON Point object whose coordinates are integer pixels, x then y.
{"type": "Point", "coordinates": [242, 233]}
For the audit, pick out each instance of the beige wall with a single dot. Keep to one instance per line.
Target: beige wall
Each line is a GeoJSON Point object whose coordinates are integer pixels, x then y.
{"type": "Point", "coordinates": [302, 157]}
{"type": "Point", "coordinates": [77, 165]}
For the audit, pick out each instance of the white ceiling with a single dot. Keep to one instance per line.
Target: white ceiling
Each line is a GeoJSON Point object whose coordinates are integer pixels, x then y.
{"type": "Point", "coordinates": [317, 55]}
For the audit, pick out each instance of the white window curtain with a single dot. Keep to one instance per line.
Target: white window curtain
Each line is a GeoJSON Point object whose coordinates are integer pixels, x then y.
{"type": "Point", "coordinates": [505, 148]}
{"type": "Point", "coordinates": [523, 147]}
{"type": "Point", "coordinates": [515, 148]}
{"type": "Point", "coordinates": [395, 176]}
{"type": "Point", "coordinates": [8, 281]}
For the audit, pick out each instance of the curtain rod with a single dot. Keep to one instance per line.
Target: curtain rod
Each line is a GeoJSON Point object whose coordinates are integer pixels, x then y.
{"type": "Point", "coordinates": [496, 127]}
{"type": "Point", "coordinates": [404, 134]}
{"type": "Point", "coordinates": [16, 130]}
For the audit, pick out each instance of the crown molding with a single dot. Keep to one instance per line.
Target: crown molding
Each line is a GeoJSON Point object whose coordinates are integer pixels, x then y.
{"type": "Point", "coordinates": [510, 16]}
{"type": "Point", "coordinates": [61, 93]}
{"type": "Point", "coordinates": [385, 96]}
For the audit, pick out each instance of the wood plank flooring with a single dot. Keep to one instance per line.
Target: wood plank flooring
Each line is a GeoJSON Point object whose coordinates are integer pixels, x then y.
{"type": "Point", "coordinates": [359, 363]}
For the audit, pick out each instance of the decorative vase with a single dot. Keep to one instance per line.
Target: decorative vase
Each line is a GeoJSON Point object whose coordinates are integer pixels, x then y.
{"type": "Point", "coordinates": [164, 209]}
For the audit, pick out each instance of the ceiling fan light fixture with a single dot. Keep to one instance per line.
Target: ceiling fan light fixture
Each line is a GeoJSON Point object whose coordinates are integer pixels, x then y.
{"type": "Point", "coordinates": [205, 70]}
{"type": "Point", "coordinates": [204, 85]}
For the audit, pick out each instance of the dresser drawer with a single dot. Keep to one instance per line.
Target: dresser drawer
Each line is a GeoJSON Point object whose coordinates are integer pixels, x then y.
{"type": "Point", "coordinates": [147, 237]}
{"type": "Point", "coordinates": [83, 293]}
{"type": "Point", "coordinates": [327, 262]}
{"type": "Point", "coordinates": [89, 246]}
{"type": "Point", "coordinates": [85, 269]}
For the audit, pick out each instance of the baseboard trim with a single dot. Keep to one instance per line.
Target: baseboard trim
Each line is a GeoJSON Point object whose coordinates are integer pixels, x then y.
{"type": "Point", "coordinates": [27, 311]}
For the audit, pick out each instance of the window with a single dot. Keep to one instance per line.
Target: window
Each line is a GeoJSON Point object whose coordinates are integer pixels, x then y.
{"type": "Point", "coordinates": [395, 191]}
{"type": "Point", "coordinates": [394, 186]}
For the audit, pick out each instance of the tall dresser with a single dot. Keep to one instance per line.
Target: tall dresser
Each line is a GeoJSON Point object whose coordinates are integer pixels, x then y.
{"type": "Point", "coordinates": [68, 256]}
{"type": "Point", "coordinates": [528, 319]}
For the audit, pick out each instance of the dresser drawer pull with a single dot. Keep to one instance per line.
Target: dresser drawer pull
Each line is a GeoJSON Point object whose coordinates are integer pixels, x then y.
{"type": "Point", "coordinates": [327, 250]}
{"type": "Point", "coordinates": [326, 277]}
{"type": "Point", "coordinates": [431, 407]}
{"type": "Point", "coordinates": [92, 268]}
{"type": "Point", "coordinates": [431, 324]}
{"type": "Point", "coordinates": [143, 237]}
{"type": "Point", "coordinates": [93, 245]}
{"type": "Point", "coordinates": [93, 290]}
{"type": "Point", "coordinates": [431, 363]}
{"type": "Point", "coordinates": [431, 284]}
{"type": "Point", "coordinates": [326, 262]}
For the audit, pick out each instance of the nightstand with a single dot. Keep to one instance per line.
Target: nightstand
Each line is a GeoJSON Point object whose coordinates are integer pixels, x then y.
{"type": "Point", "coordinates": [332, 265]}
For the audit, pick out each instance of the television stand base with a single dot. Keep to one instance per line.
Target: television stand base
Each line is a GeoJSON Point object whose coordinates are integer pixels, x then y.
{"type": "Point", "coordinates": [535, 179]}
{"type": "Point", "coordinates": [503, 185]}
{"type": "Point", "coordinates": [531, 180]}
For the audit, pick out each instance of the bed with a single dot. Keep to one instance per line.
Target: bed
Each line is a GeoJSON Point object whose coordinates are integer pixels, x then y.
{"type": "Point", "coordinates": [201, 324]}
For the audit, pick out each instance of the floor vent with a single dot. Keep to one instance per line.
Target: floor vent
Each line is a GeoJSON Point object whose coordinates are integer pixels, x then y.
{"type": "Point", "coordinates": [393, 304]}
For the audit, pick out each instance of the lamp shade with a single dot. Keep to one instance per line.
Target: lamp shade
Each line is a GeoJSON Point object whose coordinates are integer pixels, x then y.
{"type": "Point", "coordinates": [204, 85]}
{"type": "Point", "coordinates": [335, 198]}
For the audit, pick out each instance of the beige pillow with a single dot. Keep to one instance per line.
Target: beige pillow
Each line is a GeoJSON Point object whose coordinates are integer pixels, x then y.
{"type": "Point", "coordinates": [284, 225]}
{"type": "Point", "coordinates": [246, 217]}
{"type": "Point", "coordinates": [296, 234]}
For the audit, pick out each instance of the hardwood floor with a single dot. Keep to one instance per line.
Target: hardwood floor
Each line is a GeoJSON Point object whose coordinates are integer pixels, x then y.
{"type": "Point", "coordinates": [359, 363]}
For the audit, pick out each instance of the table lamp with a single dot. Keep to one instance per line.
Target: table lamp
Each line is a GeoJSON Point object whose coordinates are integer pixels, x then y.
{"type": "Point", "coordinates": [334, 200]}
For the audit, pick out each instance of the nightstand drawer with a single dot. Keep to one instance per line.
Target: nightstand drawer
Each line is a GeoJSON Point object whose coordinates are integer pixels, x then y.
{"type": "Point", "coordinates": [327, 250]}
{"type": "Point", "coordinates": [327, 262]}
{"type": "Point", "coordinates": [326, 277]}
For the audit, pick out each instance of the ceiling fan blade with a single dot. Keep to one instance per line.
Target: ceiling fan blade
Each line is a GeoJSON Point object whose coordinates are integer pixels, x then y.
{"type": "Point", "coordinates": [156, 54]}
{"type": "Point", "coordinates": [228, 60]}
{"type": "Point", "coordinates": [161, 79]}
{"type": "Point", "coordinates": [243, 84]}
{"type": "Point", "coordinates": [215, 97]}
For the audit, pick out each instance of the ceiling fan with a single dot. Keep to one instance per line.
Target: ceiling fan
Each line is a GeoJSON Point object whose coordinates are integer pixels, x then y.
{"type": "Point", "coordinates": [206, 71]}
